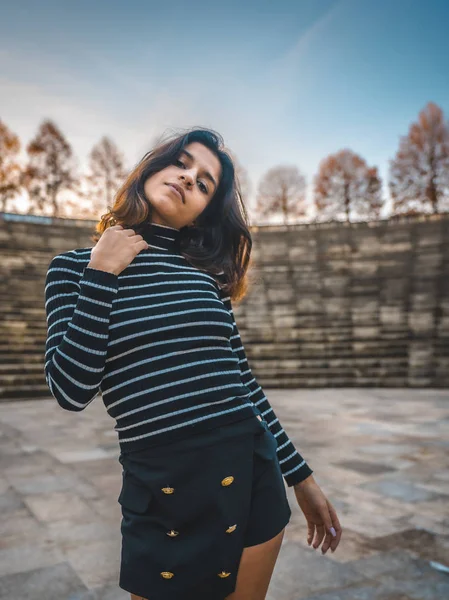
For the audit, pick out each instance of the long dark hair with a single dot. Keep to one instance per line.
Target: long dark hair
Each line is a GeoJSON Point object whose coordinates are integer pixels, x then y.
{"type": "Point", "coordinates": [220, 242]}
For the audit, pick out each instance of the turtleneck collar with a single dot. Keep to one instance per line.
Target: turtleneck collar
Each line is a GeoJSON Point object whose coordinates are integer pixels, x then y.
{"type": "Point", "coordinates": [161, 237]}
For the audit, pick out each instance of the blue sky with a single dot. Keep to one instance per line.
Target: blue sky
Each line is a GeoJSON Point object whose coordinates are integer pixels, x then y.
{"type": "Point", "coordinates": [284, 83]}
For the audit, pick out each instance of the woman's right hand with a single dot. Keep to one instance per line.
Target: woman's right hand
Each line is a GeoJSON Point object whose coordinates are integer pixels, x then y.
{"type": "Point", "coordinates": [116, 249]}
{"type": "Point", "coordinates": [321, 516]}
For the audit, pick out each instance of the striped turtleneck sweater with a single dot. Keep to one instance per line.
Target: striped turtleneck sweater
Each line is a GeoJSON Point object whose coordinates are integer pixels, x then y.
{"type": "Point", "coordinates": [159, 342]}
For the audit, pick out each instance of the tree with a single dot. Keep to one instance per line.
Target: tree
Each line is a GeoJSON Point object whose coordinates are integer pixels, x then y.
{"type": "Point", "coordinates": [106, 174]}
{"type": "Point", "coordinates": [242, 176]}
{"type": "Point", "coordinates": [282, 190]}
{"type": "Point", "coordinates": [346, 186]}
{"type": "Point", "coordinates": [419, 173]}
{"type": "Point", "coordinates": [50, 169]}
{"type": "Point", "coordinates": [9, 167]}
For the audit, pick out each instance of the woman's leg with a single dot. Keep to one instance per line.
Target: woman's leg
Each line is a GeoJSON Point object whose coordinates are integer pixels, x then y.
{"type": "Point", "coordinates": [255, 570]}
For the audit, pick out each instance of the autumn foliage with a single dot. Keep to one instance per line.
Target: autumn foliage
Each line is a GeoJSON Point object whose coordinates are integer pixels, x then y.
{"type": "Point", "coordinates": [9, 167]}
{"type": "Point", "coordinates": [50, 168]}
{"type": "Point", "coordinates": [419, 173]}
{"type": "Point", "coordinates": [345, 187]}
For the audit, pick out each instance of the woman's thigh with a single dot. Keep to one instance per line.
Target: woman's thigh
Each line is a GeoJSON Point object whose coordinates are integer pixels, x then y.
{"type": "Point", "coordinates": [256, 568]}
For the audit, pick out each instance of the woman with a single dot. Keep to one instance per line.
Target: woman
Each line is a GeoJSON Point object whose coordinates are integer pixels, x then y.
{"type": "Point", "coordinates": [145, 317]}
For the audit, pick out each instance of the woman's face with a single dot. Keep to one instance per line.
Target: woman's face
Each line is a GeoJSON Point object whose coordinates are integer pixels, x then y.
{"type": "Point", "coordinates": [196, 172]}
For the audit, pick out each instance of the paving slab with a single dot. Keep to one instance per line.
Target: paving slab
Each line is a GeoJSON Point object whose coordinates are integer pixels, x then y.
{"type": "Point", "coordinates": [52, 583]}
{"type": "Point", "coordinates": [29, 556]}
{"type": "Point", "coordinates": [381, 457]}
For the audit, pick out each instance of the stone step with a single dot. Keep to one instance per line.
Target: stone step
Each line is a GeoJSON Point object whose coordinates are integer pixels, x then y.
{"type": "Point", "coordinates": [32, 312]}
{"type": "Point", "coordinates": [24, 391]}
{"type": "Point", "coordinates": [31, 377]}
{"type": "Point", "coordinates": [325, 350]}
{"type": "Point", "coordinates": [334, 381]}
{"type": "Point", "coordinates": [13, 358]}
{"type": "Point", "coordinates": [337, 366]}
{"type": "Point", "coordinates": [329, 372]}
{"type": "Point", "coordinates": [17, 346]}
{"type": "Point", "coordinates": [21, 368]}
{"type": "Point", "coordinates": [37, 328]}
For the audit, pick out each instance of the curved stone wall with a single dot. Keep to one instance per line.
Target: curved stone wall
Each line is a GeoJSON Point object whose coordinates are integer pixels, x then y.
{"type": "Point", "coordinates": [331, 305]}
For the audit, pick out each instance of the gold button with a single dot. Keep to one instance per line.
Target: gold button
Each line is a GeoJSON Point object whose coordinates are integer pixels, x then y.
{"type": "Point", "coordinates": [168, 490]}
{"type": "Point", "coordinates": [172, 533]}
{"type": "Point", "coordinates": [167, 574]}
{"type": "Point", "coordinates": [231, 529]}
{"type": "Point", "coordinates": [227, 480]}
{"type": "Point", "coordinates": [223, 574]}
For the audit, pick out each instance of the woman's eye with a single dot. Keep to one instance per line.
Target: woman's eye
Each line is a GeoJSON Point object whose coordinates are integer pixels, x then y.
{"type": "Point", "coordinates": [202, 186]}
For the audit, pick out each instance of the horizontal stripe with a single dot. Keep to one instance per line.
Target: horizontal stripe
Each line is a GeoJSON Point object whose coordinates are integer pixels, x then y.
{"type": "Point", "coordinates": [159, 342]}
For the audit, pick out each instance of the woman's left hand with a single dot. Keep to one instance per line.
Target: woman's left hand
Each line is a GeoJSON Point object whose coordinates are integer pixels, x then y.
{"type": "Point", "coordinates": [322, 520]}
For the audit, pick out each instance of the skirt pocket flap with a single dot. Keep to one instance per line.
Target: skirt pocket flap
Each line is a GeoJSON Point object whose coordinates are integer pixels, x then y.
{"type": "Point", "coordinates": [134, 496]}
{"type": "Point", "coordinates": [266, 446]}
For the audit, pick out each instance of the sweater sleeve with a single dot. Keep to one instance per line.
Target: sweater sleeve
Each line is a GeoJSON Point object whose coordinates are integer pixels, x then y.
{"type": "Point", "coordinates": [78, 304]}
{"type": "Point", "coordinates": [293, 466]}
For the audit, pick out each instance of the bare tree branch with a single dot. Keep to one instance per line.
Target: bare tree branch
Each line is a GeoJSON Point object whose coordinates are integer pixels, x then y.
{"type": "Point", "coordinates": [106, 174]}
{"type": "Point", "coordinates": [282, 190]}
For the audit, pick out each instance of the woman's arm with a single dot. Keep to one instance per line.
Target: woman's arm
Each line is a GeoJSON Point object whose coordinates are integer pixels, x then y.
{"type": "Point", "coordinates": [78, 304]}
{"type": "Point", "coordinates": [293, 466]}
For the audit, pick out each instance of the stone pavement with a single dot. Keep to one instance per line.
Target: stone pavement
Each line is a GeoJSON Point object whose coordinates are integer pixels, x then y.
{"type": "Point", "coordinates": [380, 455]}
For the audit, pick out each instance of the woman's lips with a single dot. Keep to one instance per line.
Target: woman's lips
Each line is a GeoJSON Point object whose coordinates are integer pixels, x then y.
{"type": "Point", "coordinates": [176, 192]}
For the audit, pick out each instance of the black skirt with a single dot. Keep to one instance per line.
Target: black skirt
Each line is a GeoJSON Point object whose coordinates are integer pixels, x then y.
{"type": "Point", "coordinates": [190, 507]}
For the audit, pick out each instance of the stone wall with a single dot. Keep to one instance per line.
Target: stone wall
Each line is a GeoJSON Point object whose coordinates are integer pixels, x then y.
{"type": "Point", "coordinates": [331, 305]}
{"type": "Point", "coordinates": [362, 304]}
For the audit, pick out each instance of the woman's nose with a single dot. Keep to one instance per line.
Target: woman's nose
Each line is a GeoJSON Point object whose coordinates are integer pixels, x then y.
{"type": "Point", "coordinates": [188, 177]}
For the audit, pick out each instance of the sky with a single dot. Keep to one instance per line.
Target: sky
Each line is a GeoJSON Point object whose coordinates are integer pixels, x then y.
{"type": "Point", "coordinates": [286, 82]}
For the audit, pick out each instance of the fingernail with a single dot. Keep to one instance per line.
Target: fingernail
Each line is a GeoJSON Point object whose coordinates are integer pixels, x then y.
{"type": "Point", "coordinates": [332, 530]}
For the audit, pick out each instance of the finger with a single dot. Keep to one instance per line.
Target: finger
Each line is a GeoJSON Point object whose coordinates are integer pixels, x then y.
{"type": "Point", "coordinates": [327, 542]}
{"type": "Point", "coordinates": [334, 517]}
{"type": "Point", "coordinates": [310, 532]}
{"type": "Point", "coordinates": [332, 537]}
{"type": "Point", "coordinates": [328, 527]}
{"type": "Point", "coordinates": [319, 535]}
{"type": "Point", "coordinates": [338, 530]}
